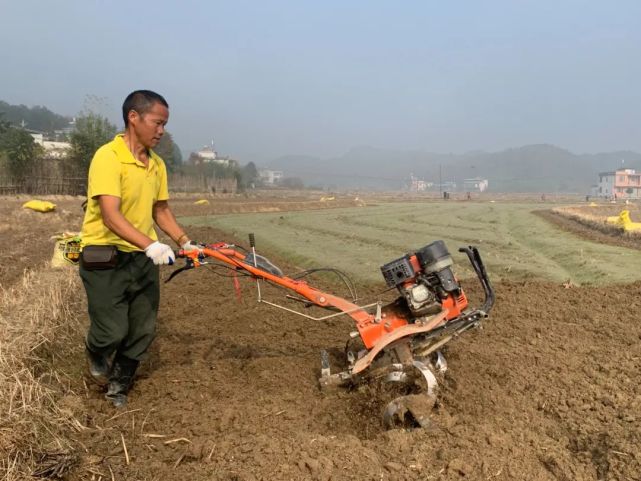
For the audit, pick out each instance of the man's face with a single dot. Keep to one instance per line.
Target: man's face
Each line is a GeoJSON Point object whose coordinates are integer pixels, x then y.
{"type": "Point", "coordinates": [150, 126]}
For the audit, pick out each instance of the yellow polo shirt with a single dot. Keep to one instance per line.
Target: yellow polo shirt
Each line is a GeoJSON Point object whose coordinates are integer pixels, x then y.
{"type": "Point", "coordinates": [115, 171]}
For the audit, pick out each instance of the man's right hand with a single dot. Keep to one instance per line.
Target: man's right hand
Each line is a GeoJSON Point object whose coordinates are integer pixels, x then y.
{"type": "Point", "coordinates": [191, 246]}
{"type": "Point", "coordinates": [160, 253]}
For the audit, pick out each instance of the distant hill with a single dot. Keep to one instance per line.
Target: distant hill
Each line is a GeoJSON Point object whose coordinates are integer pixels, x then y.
{"type": "Point", "coordinates": [531, 168]}
{"type": "Point", "coordinates": [34, 118]}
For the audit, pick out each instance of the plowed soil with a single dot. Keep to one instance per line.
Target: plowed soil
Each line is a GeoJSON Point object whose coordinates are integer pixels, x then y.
{"type": "Point", "coordinates": [547, 390]}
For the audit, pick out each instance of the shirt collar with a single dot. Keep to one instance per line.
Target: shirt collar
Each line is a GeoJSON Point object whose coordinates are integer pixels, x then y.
{"type": "Point", "coordinates": [126, 157]}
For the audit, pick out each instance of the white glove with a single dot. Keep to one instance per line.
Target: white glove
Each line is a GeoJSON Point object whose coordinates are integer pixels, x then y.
{"type": "Point", "coordinates": [191, 246]}
{"type": "Point", "coordinates": [160, 253]}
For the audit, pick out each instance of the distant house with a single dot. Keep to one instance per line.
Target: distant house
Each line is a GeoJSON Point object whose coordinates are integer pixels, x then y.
{"type": "Point", "coordinates": [475, 185]}
{"type": "Point", "coordinates": [208, 155]}
{"type": "Point", "coordinates": [270, 177]}
{"type": "Point", "coordinates": [52, 149]}
{"type": "Point", "coordinates": [38, 137]}
{"type": "Point", "coordinates": [56, 149]}
{"type": "Point", "coordinates": [620, 184]}
{"type": "Point", "coordinates": [418, 185]}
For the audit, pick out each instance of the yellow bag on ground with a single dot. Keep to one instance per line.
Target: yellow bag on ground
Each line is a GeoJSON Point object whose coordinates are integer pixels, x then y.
{"type": "Point", "coordinates": [201, 202]}
{"type": "Point", "coordinates": [39, 205]}
{"type": "Point", "coordinates": [67, 249]}
{"type": "Point", "coordinates": [623, 220]}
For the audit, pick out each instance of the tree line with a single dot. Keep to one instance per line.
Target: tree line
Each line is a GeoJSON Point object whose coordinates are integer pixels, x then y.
{"type": "Point", "coordinates": [22, 159]}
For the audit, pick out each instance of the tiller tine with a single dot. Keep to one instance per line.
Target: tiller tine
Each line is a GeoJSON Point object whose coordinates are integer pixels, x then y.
{"type": "Point", "coordinates": [412, 410]}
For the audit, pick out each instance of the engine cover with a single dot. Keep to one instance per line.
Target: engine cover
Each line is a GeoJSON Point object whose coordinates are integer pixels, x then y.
{"type": "Point", "coordinates": [424, 278]}
{"type": "Point", "coordinates": [420, 299]}
{"type": "Point", "coordinates": [398, 272]}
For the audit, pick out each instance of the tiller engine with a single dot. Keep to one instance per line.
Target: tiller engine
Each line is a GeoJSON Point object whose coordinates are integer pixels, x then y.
{"type": "Point", "coordinates": [396, 342]}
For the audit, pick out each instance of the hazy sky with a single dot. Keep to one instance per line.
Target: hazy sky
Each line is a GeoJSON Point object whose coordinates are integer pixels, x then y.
{"type": "Point", "coordinates": [269, 78]}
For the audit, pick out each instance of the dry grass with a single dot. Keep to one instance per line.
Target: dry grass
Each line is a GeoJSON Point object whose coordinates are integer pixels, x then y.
{"type": "Point", "coordinates": [595, 219]}
{"type": "Point", "coordinates": [37, 326]}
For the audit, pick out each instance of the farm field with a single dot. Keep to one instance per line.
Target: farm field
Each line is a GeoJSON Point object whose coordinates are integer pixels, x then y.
{"type": "Point", "coordinates": [515, 243]}
{"type": "Point", "coordinates": [547, 390]}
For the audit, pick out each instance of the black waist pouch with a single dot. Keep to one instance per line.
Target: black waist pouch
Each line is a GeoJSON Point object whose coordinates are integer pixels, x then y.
{"type": "Point", "coordinates": [99, 257]}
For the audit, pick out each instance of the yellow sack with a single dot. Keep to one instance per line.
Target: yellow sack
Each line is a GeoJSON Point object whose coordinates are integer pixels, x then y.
{"type": "Point", "coordinates": [67, 249]}
{"type": "Point", "coordinates": [624, 220]}
{"type": "Point", "coordinates": [201, 202]}
{"type": "Point", "coordinates": [39, 205]}
{"type": "Point", "coordinates": [621, 220]}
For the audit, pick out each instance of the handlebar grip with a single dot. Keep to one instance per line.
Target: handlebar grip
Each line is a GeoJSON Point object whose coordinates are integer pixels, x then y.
{"type": "Point", "coordinates": [252, 240]}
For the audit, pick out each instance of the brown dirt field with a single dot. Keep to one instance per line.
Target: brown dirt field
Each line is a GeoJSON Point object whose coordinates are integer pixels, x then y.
{"type": "Point", "coordinates": [547, 390]}
{"type": "Point", "coordinates": [27, 234]}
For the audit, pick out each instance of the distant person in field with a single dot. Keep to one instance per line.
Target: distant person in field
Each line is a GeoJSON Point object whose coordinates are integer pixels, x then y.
{"type": "Point", "coordinates": [121, 254]}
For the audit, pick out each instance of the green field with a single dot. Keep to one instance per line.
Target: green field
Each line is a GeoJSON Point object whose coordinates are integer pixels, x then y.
{"type": "Point", "coordinates": [514, 242]}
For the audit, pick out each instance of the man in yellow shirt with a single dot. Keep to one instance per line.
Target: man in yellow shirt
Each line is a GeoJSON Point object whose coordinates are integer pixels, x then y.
{"type": "Point", "coordinates": [127, 192]}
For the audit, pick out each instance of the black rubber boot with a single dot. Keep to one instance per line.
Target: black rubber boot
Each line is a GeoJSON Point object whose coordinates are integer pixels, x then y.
{"type": "Point", "coordinates": [121, 380]}
{"type": "Point", "coordinates": [98, 366]}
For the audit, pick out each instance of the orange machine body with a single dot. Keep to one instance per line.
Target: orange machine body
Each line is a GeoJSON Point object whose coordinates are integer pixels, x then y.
{"type": "Point", "coordinates": [370, 326]}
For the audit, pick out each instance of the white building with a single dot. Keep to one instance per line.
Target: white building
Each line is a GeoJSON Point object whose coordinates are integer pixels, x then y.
{"type": "Point", "coordinates": [51, 148]}
{"type": "Point", "coordinates": [56, 149]}
{"type": "Point", "coordinates": [38, 138]}
{"type": "Point", "coordinates": [270, 177]}
{"type": "Point", "coordinates": [418, 185]}
{"type": "Point", "coordinates": [208, 154]}
{"type": "Point", "coordinates": [476, 184]}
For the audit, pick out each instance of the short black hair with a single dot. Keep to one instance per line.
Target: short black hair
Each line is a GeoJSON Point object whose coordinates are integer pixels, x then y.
{"type": "Point", "coordinates": [141, 101]}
